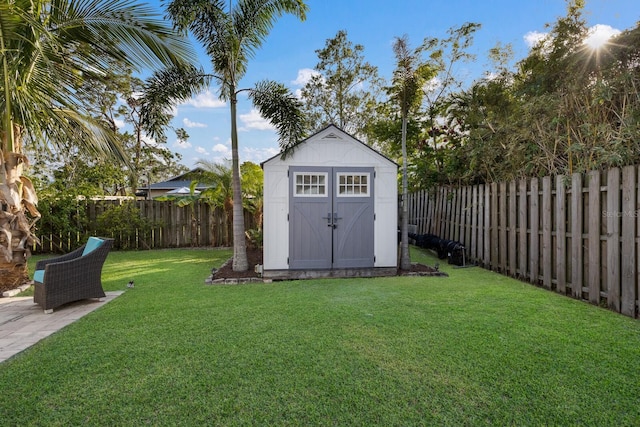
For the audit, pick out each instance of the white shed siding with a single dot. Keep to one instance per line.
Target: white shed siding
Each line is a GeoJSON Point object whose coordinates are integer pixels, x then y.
{"type": "Point", "coordinates": [275, 224]}
{"type": "Point", "coordinates": [330, 147]}
{"type": "Point", "coordinates": [386, 224]}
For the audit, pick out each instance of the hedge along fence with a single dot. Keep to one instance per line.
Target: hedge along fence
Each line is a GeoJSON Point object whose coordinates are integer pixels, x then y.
{"type": "Point", "coordinates": [578, 235]}
{"type": "Point", "coordinates": [149, 224]}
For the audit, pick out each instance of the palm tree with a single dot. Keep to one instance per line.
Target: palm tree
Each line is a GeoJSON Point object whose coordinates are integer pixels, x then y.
{"type": "Point", "coordinates": [48, 48]}
{"type": "Point", "coordinates": [409, 77]}
{"type": "Point", "coordinates": [231, 34]}
{"type": "Point", "coordinates": [222, 193]}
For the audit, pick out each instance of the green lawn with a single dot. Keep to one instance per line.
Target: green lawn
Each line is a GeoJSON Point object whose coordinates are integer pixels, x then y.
{"type": "Point", "coordinates": [474, 348]}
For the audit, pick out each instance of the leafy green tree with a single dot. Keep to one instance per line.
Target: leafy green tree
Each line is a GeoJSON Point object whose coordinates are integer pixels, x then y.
{"type": "Point", "coordinates": [565, 108]}
{"type": "Point", "coordinates": [48, 48]}
{"type": "Point", "coordinates": [444, 56]}
{"type": "Point", "coordinates": [345, 89]}
{"type": "Point", "coordinates": [230, 34]}
{"type": "Point", "coordinates": [119, 98]}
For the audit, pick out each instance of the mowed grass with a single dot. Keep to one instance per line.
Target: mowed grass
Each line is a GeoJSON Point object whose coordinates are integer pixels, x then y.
{"type": "Point", "coordinates": [474, 348]}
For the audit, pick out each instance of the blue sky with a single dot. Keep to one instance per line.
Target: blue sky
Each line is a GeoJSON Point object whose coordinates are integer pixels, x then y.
{"type": "Point", "coordinates": [289, 54]}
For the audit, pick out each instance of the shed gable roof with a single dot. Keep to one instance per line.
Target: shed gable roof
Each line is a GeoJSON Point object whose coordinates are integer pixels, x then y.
{"type": "Point", "coordinates": [331, 132]}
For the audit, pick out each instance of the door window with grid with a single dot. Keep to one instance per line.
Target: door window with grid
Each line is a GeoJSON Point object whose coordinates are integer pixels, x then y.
{"type": "Point", "coordinates": [310, 184]}
{"type": "Point", "coordinates": [353, 185]}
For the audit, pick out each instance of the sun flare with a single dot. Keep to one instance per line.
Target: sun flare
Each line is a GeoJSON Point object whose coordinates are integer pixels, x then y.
{"type": "Point", "coordinates": [599, 35]}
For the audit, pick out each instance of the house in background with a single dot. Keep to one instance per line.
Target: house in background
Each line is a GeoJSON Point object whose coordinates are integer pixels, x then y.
{"type": "Point", "coordinates": [330, 210]}
{"type": "Point", "coordinates": [177, 185]}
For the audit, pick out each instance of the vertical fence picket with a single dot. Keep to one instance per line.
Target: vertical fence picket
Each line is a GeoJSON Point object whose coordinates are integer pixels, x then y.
{"type": "Point", "coordinates": [474, 224]}
{"type": "Point", "coordinates": [613, 219]}
{"type": "Point", "coordinates": [577, 221]}
{"type": "Point", "coordinates": [502, 207]}
{"type": "Point", "coordinates": [513, 229]}
{"type": "Point", "coordinates": [561, 235]}
{"type": "Point", "coordinates": [487, 225]}
{"type": "Point", "coordinates": [628, 252]}
{"type": "Point", "coordinates": [534, 236]}
{"type": "Point", "coordinates": [467, 219]}
{"type": "Point", "coordinates": [547, 250]}
{"type": "Point", "coordinates": [495, 226]}
{"type": "Point", "coordinates": [522, 230]}
{"type": "Point", "coordinates": [458, 215]}
{"type": "Point", "coordinates": [593, 240]}
{"type": "Point", "coordinates": [481, 216]}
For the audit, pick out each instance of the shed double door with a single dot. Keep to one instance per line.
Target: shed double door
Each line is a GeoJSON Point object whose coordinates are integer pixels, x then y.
{"type": "Point", "coordinates": [331, 217]}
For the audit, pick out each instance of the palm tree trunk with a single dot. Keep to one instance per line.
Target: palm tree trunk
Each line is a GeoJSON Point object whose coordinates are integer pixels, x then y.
{"type": "Point", "coordinates": [405, 259]}
{"type": "Point", "coordinates": [240, 262]}
{"type": "Point", "coordinates": [15, 230]}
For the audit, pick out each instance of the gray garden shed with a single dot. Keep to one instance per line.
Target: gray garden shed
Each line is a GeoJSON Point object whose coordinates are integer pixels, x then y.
{"type": "Point", "coordinates": [330, 209]}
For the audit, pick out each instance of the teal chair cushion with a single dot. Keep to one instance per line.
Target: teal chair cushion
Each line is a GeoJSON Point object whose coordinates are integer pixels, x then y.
{"type": "Point", "coordinates": [38, 276]}
{"type": "Point", "coordinates": [92, 244]}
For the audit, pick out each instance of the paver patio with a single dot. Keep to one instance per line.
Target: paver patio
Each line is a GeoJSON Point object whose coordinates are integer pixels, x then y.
{"type": "Point", "coordinates": [23, 323]}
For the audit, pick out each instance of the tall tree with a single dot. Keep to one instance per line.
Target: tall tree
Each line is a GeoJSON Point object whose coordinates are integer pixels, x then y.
{"type": "Point", "coordinates": [231, 34]}
{"type": "Point", "coordinates": [344, 90]}
{"type": "Point", "coordinates": [409, 78]}
{"type": "Point", "coordinates": [117, 98]}
{"type": "Point", "coordinates": [445, 55]}
{"type": "Point", "coordinates": [47, 49]}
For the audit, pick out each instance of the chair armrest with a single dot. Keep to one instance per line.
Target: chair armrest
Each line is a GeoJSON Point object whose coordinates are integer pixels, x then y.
{"type": "Point", "coordinates": [40, 265]}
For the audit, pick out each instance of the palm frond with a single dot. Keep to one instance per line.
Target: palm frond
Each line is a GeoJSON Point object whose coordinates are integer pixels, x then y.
{"type": "Point", "coordinates": [129, 32]}
{"type": "Point", "coordinates": [254, 19]}
{"type": "Point", "coordinates": [282, 109]}
{"type": "Point", "coordinates": [51, 47]}
{"type": "Point", "coordinates": [165, 88]}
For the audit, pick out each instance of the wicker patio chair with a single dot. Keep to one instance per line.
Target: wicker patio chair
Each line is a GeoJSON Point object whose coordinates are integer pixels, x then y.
{"type": "Point", "coordinates": [71, 277]}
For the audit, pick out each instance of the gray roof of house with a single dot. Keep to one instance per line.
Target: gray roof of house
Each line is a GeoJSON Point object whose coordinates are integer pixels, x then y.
{"type": "Point", "coordinates": [172, 185]}
{"type": "Point", "coordinates": [177, 182]}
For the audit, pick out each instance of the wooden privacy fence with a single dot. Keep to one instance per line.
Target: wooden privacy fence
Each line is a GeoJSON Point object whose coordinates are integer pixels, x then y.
{"type": "Point", "coordinates": [578, 235]}
{"type": "Point", "coordinates": [200, 225]}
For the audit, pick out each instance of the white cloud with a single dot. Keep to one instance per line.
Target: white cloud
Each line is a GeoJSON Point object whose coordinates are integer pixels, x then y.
{"type": "Point", "coordinates": [201, 150]}
{"type": "Point", "coordinates": [182, 144]}
{"type": "Point", "coordinates": [119, 123]}
{"type": "Point", "coordinates": [304, 75]}
{"type": "Point", "coordinates": [600, 34]}
{"type": "Point", "coordinates": [221, 148]}
{"type": "Point", "coordinates": [532, 38]}
{"type": "Point", "coordinates": [149, 141]}
{"type": "Point", "coordinates": [432, 85]}
{"type": "Point", "coordinates": [188, 123]}
{"type": "Point", "coordinates": [253, 120]}
{"type": "Point", "coordinates": [258, 155]}
{"type": "Point", "coordinates": [596, 36]}
{"type": "Point", "coordinates": [205, 100]}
